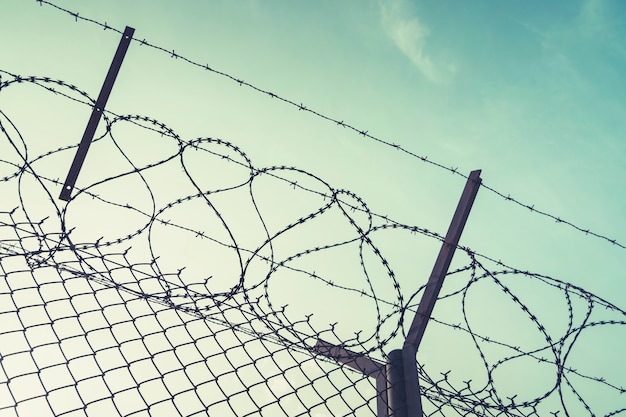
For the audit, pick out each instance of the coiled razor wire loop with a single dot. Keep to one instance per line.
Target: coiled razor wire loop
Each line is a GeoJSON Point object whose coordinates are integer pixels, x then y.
{"type": "Point", "coordinates": [160, 289]}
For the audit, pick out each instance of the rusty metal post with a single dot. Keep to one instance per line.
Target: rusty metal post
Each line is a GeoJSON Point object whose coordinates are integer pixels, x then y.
{"type": "Point", "coordinates": [96, 114]}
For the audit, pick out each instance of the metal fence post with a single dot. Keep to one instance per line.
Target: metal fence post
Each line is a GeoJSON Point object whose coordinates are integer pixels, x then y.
{"type": "Point", "coordinates": [396, 392]}
{"type": "Point", "coordinates": [431, 292]}
{"type": "Point", "coordinates": [96, 114]}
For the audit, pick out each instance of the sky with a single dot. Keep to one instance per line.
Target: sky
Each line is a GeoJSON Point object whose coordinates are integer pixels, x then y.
{"type": "Point", "coordinates": [532, 94]}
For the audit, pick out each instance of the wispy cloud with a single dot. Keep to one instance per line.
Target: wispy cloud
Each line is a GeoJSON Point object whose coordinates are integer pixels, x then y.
{"type": "Point", "coordinates": [592, 16]}
{"type": "Point", "coordinates": [410, 35]}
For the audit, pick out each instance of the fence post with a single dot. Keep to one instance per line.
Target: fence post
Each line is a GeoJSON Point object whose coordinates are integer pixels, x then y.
{"type": "Point", "coordinates": [396, 392]}
{"type": "Point", "coordinates": [96, 114]}
{"type": "Point", "coordinates": [403, 398]}
{"type": "Point", "coordinates": [431, 292]}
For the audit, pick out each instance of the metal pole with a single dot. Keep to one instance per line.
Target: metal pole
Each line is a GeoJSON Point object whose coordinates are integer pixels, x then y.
{"type": "Point", "coordinates": [352, 359]}
{"type": "Point", "coordinates": [396, 392]}
{"type": "Point", "coordinates": [361, 363]}
{"type": "Point", "coordinates": [444, 259]}
{"type": "Point", "coordinates": [411, 382]}
{"type": "Point", "coordinates": [401, 398]}
{"type": "Point", "coordinates": [382, 402]}
{"type": "Point", "coordinates": [433, 286]}
{"type": "Point", "coordinates": [96, 113]}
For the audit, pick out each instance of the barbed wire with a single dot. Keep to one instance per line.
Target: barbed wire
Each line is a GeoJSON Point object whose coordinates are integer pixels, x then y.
{"type": "Point", "coordinates": [163, 130]}
{"type": "Point", "coordinates": [362, 132]}
{"type": "Point", "coordinates": [77, 293]}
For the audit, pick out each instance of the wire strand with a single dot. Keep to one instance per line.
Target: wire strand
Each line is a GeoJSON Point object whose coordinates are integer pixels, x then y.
{"type": "Point", "coordinates": [339, 122]}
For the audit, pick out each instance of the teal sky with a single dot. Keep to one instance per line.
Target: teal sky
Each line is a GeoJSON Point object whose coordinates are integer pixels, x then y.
{"type": "Point", "coordinates": [532, 93]}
